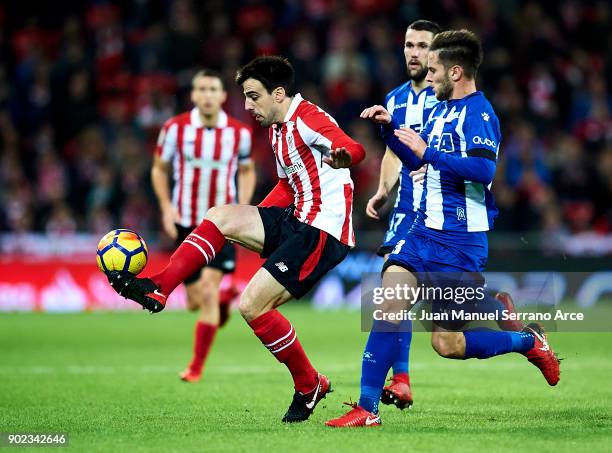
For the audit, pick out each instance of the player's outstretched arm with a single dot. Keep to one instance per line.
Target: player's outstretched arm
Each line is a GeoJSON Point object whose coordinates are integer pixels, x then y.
{"type": "Point", "coordinates": [389, 174]}
{"type": "Point", "coordinates": [408, 157]}
{"type": "Point", "coordinates": [376, 113]}
{"type": "Point", "coordinates": [472, 168]}
{"type": "Point", "coordinates": [380, 115]}
{"type": "Point", "coordinates": [412, 140]}
{"type": "Point", "coordinates": [320, 130]}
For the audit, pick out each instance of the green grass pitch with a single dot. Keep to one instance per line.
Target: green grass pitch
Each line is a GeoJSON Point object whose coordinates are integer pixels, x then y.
{"type": "Point", "coordinates": [110, 380]}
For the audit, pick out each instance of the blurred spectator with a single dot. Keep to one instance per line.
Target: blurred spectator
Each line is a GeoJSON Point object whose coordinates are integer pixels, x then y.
{"type": "Point", "coordinates": [526, 170]}
{"type": "Point", "coordinates": [84, 88]}
{"type": "Point", "coordinates": [61, 221]}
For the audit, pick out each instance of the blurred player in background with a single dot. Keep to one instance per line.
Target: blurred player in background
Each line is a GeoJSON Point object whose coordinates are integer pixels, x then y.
{"type": "Point", "coordinates": [410, 105]}
{"type": "Point", "coordinates": [208, 152]}
{"type": "Point", "coordinates": [303, 227]}
{"type": "Point", "coordinates": [460, 144]}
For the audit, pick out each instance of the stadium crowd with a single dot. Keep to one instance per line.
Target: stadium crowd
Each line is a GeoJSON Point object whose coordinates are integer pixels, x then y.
{"type": "Point", "coordinates": [85, 87]}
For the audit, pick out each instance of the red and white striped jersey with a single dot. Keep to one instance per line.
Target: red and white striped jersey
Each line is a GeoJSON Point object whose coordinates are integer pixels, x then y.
{"type": "Point", "coordinates": [323, 196]}
{"type": "Point", "coordinates": [204, 161]}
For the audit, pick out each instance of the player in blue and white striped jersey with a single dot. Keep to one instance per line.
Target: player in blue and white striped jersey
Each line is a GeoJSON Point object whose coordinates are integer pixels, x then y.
{"type": "Point", "coordinates": [460, 144]}
{"type": "Point", "coordinates": [410, 105]}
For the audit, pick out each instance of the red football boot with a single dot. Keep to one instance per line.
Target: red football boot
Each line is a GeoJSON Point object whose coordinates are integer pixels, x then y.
{"type": "Point", "coordinates": [398, 392]}
{"type": "Point", "coordinates": [190, 376]}
{"type": "Point", "coordinates": [513, 325]}
{"type": "Point", "coordinates": [355, 418]}
{"type": "Point", "coordinates": [542, 355]}
{"type": "Point", "coordinates": [303, 404]}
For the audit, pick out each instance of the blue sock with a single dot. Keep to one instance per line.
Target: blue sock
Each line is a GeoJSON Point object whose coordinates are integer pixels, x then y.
{"type": "Point", "coordinates": [378, 355]}
{"type": "Point", "coordinates": [404, 338]}
{"type": "Point", "coordinates": [485, 343]}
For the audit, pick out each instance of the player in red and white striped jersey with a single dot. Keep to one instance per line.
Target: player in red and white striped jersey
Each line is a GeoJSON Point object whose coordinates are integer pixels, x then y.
{"type": "Point", "coordinates": [206, 150]}
{"type": "Point", "coordinates": [323, 195]}
{"type": "Point", "coordinates": [303, 227]}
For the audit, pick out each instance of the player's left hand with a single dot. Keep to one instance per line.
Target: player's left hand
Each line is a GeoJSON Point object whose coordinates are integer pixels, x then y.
{"type": "Point", "coordinates": [418, 176]}
{"type": "Point", "coordinates": [338, 158]}
{"type": "Point", "coordinates": [412, 140]}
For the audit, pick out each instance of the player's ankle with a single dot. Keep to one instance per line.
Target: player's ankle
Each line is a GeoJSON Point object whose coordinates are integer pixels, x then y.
{"type": "Point", "coordinates": [307, 385]}
{"type": "Point", "coordinates": [402, 376]}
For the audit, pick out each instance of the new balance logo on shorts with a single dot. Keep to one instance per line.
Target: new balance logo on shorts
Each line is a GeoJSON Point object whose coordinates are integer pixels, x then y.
{"type": "Point", "coordinates": [281, 266]}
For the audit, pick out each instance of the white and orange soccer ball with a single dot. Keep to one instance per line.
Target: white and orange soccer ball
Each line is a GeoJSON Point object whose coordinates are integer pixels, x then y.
{"type": "Point", "coordinates": [122, 250]}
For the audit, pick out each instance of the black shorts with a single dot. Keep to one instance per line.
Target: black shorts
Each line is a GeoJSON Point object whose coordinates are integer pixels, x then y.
{"type": "Point", "coordinates": [298, 254]}
{"type": "Point", "coordinates": [384, 250]}
{"type": "Point", "coordinates": [225, 261]}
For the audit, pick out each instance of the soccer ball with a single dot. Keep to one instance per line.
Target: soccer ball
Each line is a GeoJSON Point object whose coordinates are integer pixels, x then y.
{"type": "Point", "coordinates": [122, 250]}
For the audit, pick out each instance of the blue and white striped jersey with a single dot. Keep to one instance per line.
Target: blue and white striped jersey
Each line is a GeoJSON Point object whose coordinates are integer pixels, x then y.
{"type": "Point", "coordinates": [463, 138]}
{"type": "Point", "coordinates": [466, 127]}
{"type": "Point", "coordinates": [409, 109]}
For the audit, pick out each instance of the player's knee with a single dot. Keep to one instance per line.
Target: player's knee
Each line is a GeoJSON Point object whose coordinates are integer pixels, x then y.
{"type": "Point", "coordinates": [446, 345]}
{"type": "Point", "coordinates": [247, 306]}
{"type": "Point", "coordinates": [441, 346]}
{"type": "Point", "coordinates": [214, 213]}
{"type": "Point", "coordinates": [219, 215]}
{"type": "Point", "coordinates": [194, 295]}
{"type": "Point", "coordinates": [193, 302]}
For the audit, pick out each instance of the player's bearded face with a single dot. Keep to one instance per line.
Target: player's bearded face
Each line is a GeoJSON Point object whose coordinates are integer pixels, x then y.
{"type": "Point", "coordinates": [445, 88]}
{"type": "Point", "coordinates": [417, 74]}
{"type": "Point", "coordinates": [416, 48]}
{"type": "Point", "coordinates": [438, 78]}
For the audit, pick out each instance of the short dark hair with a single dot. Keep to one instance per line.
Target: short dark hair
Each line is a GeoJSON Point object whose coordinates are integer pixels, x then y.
{"type": "Point", "coordinates": [206, 72]}
{"type": "Point", "coordinates": [459, 47]}
{"type": "Point", "coordinates": [425, 25]}
{"type": "Point", "coordinates": [271, 71]}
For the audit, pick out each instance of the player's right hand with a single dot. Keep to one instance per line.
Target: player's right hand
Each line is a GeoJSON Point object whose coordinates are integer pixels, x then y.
{"type": "Point", "coordinates": [376, 113]}
{"type": "Point", "coordinates": [375, 204]}
{"type": "Point", "coordinates": [169, 219]}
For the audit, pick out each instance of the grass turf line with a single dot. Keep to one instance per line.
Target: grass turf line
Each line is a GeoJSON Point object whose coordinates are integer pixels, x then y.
{"type": "Point", "coordinates": [110, 380]}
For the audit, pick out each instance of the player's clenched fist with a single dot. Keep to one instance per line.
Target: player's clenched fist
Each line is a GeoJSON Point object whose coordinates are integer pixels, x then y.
{"type": "Point", "coordinates": [338, 158]}
{"type": "Point", "coordinates": [376, 113]}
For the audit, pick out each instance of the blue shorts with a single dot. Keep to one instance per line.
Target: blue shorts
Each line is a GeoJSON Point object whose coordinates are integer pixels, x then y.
{"type": "Point", "coordinates": [400, 222]}
{"type": "Point", "coordinates": [421, 254]}
{"type": "Point", "coordinates": [436, 264]}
